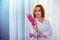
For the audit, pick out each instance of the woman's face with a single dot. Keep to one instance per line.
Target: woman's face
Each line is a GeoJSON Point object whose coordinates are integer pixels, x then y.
{"type": "Point", "coordinates": [38, 12]}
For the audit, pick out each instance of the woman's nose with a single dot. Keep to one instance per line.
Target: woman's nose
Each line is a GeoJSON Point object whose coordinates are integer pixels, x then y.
{"type": "Point", "coordinates": [37, 12]}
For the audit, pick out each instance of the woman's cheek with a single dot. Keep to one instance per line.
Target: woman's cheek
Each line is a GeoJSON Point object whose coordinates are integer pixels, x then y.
{"type": "Point", "coordinates": [35, 14]}
{"type": "Point", "coordinates": [40, 14]}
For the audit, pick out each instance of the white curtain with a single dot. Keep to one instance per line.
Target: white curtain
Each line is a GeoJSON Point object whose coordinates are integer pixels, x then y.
{"type": "Point", "coordinates": [55, 20]}
{"type": "Point", "coordinates": [16, 19]}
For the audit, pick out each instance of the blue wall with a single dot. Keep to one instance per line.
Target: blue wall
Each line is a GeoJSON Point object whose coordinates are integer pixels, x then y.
{"type": "Point", "coordinates": [4, 20]}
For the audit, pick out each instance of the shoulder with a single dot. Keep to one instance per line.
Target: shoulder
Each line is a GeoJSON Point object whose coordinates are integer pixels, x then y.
{"type": "Point", "coordinates": [47, 22]}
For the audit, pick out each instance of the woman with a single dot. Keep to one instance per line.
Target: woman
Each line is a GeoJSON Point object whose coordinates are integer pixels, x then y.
{"type": "Point", "coordinates": [41, 26]}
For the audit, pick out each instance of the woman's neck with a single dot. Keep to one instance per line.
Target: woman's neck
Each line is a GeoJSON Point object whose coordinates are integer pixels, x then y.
{"type": "Point", "coordinates": [40, 19]}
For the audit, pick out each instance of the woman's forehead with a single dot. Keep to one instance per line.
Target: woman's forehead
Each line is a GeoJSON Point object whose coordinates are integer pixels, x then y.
{"type": "Point", "coordinates": [37, 8]}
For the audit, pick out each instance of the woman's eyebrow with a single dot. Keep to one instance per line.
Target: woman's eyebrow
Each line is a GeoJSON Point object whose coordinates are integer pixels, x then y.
{"type": "Point", "coordinates": [39, 10]}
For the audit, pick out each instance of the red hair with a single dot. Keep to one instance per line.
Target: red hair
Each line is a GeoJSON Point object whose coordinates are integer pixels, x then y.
{"type": "Point", "coordinates": [42, 11]}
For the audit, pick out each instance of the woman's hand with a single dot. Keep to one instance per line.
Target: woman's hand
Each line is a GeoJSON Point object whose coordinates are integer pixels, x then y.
{"type": "Point", "coordinates": [42, 35]}
{"type": "Point", "coordinates": [35, 28]}
{"type": "Point", "coordinates": [31, 35]}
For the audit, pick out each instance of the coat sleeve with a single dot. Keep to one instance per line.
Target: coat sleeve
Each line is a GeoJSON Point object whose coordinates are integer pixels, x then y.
{"type": "Point", "coordinates": [48, 33]}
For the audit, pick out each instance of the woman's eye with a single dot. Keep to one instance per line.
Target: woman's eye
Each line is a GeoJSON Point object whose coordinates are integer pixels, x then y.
{"type": "Point", "coordinates": [38, 10]}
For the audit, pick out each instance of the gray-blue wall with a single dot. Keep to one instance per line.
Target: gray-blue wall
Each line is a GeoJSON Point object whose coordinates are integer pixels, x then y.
{"type": "Point", "coordinates": [4, 20]}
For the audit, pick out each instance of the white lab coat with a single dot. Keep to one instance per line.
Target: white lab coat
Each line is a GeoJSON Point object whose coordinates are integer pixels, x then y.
{"type": "Point", "coordinates": [44, 28]}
